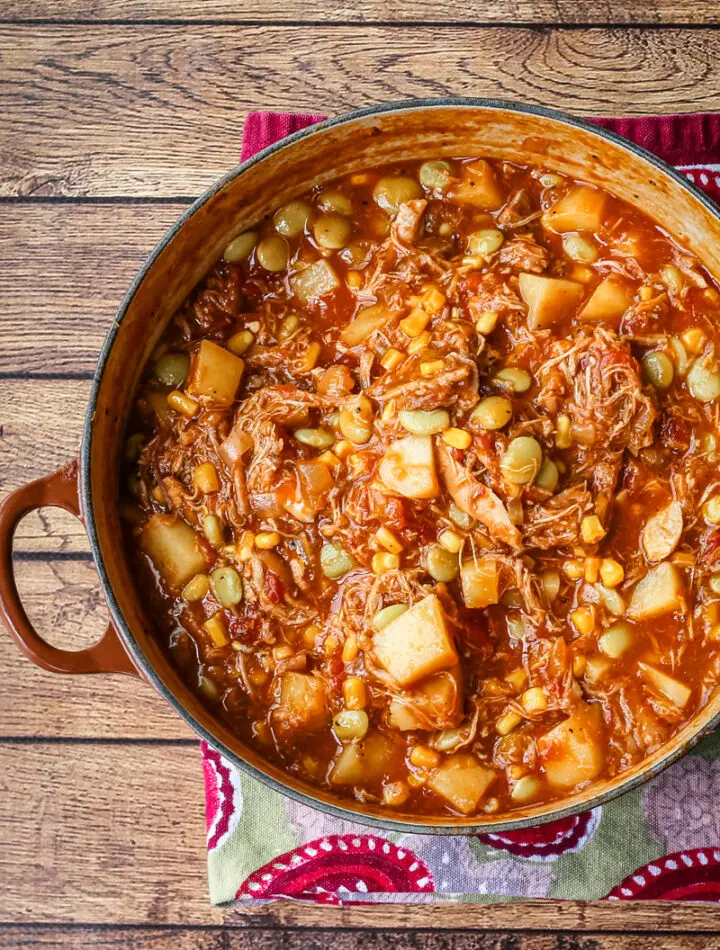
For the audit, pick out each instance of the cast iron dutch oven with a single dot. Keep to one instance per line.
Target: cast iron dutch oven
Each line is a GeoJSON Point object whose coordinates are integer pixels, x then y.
{"type": "Point", "coordinates": [88, 486]}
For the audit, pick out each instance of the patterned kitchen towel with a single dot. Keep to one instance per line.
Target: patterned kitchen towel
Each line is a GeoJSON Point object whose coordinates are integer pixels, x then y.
{"type": "Point", "coordinates": [658, 842]}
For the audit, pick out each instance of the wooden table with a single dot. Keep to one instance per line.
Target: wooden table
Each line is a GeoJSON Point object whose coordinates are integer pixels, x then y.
{"type": "Point", "coordinates": [113, 115]}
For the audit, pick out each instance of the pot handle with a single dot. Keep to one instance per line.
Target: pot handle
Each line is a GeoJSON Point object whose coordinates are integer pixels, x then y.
{"type": "Point", "coordinates": [108, 655]}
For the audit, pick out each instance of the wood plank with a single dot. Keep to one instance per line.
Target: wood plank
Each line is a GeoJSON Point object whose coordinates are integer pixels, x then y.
{"type": "Point", "coordinates": [216, 938]}
{"type": "Point", "coordinates": [42, 422]}
{"type": "Point", "coordinates": [157, 110]}
{"type": "Point", "coordinates": [105, 834]}
{"type": "Point", "coordinates": [113, 834]}
{"type": "Point", "coordinates": [60, 296]}
{"type": "Point", "coordinates": [413, 11]}
{"type": "Point", "coordinates": [64, 601]}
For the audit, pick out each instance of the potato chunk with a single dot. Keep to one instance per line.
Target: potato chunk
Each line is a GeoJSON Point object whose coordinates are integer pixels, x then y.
{"type": "Point", "coordinates": [362, 762]}
{"type": "Point", "coordinates": [479, 187]}
{"type": "Point", "coordinates": [462, 781]}
{"type": "Point", "coordinates": [408, 467]}
{"type": "Point", "coordinates": [608, 302]}
{"type": "Point", "coordinates": [174, 548]}
{"type": "Point", "coordinates": [662, 533]}
{"type": "Point", "coordinates": [366, 321]}
{"type": "Point", "coordinates": [317, 280]}
{"type": "Point", "coordinates": [302, 706]}
{"type": "Point", "coordinates": [435, 703]}
{"type": "Point", "coordinates": [580, 210]}
{"type": "Point", "coordinates": [573, 752]}
{"type": "Point", "coordinates": [549, 299]}
{"type": "Point", "coordinates": [215, 372]}
{"type": "Point", "coordinates": [661, 591]}
{"type": "Point", "coordinates": [479, 582]}
{"type": "Point", "coordinates": [416, 644]}
{"type": "Point", "coordinates": [674, 690]}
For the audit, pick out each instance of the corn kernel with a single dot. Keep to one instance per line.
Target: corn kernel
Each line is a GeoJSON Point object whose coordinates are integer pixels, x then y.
{"type": "Point", "coordinates": [359, 178]}
{"type": "Point", "coordinates": [283, 651]}
{"type": "Point", "coordinates": [416, 781]}
{"type": "Point", "coordinates": [420, 342]}
{"type": "Point", "coordinates": [612, 572]}
{"type": "Point", "coordinates": [694, 340]}
{"type": "Point", "coordinates": [354, 279]}
{"type": "Point", "coordinates": [424, 758]}
{"type": "Point", "coordinates": [205, 478]}
{"type": "Point", "coordinates": [451, 541]}
{"type": "Point", "coordinates": [517, 678]}
{"type": "Point", "coordinates": [574, 570]}
{"type": "Point", "coordinates": [310, 357]}
{"type": "Point", "coordinates": [711, 510]}
{"type": "Point", "coordinates": [261, 731]}
{"type": "Point", "coordinates": [396, 793]}
{"type": "Point", "coordinates": [182, 403]}
{"type": "Point", "coordinates": [357, 464]}
{"type": "Point", "coordinates": [457, 438]}
{"type": "Point", "coordinates": [563, 432]}
{"type": "Point", "coordinates": [196, 588]}
{"type": "Point", "coordinates": [245, 546]}
{"type": "Point", "coordinates": [433, 300]}
{"type": "Point", "coordinates": [288, 327]}
{"type": "Point", "coordinates": [309, 635]}
{"type": "Point", "coordinates": [330, 644]}
{"type": "Point", "coordinates": [592, 569]}
{"type": "Point", "coordinates": [387, 539]}
{"type": "Point", "coordinates": [415, 322]}
{"type": "Point", "coordinates": [388, 412]}
{"type": "Point", "coordinates": [506, 723]}
{"type": "Point", "coordinates": [330, 459]}
{"type": "Point", "coordinates": [355, 692]}
{"type": "Point", "coordinates": [343, 448]}
{"type": "Point", "coordinates": [350, 649]}
{"type": "Point", "coordinates": [583, 619]}
{"type": "Point", "coordinates": [534, 699]}
{"type": "Point", "coordinates": [383, 562]}
{"type": "Point", "coordinates": [158, 495]}
{"type": "Point", "coordinates": [647, 293]}
{"type": "Point", "coordinates": [591, 529]}
{"type": "Point", "coordinates": [216, 628]}
{"type": "Point", "coordinates": [582, 274]}
{"type": "Point", "coordinates": [431, 367]}
{"type": "Point", "coordinates": [258, 676]}
{"type": "Point", "coordinates": [266, 540]}
{"type": "Point", "coordinates": [487, 322]}
{"type": "Point", "coordinates": [579, 664]}
{"type": "Point", "coordinates": [392, 358]}
{"type": "Point", "coordinates": [240, 342]}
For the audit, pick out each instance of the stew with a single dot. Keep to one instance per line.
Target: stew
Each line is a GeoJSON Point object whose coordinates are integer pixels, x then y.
{"type": "Point", "coordinates": [422, 486]}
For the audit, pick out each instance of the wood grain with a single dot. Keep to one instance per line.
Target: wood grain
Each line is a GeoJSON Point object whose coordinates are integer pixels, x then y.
{"type": "Point", "coordinates": [56, 325]}
{"type": "Point", "coordinates": [157, 110]}
{"type": "Point", "coordinates": [64, 601]}
{"type": "Point", "coordinates": [103, 835]}
{"type": "Point", "coordinates": [216, 938]}
{"type": "Point", "coordinates": [115, 835]}
{"type": "Point", "coordinates": [410, 11]}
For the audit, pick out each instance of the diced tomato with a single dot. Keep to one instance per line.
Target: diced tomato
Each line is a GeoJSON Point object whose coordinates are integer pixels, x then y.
{"type": "Point", "coordinates": [710, 547]}
{"type": "Point", "coordinates": [274, 587]}
{"type": "Point", "coordinates": [675, 435]}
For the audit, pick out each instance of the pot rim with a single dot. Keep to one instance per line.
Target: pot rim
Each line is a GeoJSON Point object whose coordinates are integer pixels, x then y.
{"type": "Point", "coordinates": [123, 629]}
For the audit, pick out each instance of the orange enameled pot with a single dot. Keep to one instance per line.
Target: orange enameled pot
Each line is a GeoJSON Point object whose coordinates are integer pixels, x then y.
{"type": "Point", "coordinates": [89, 487]}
